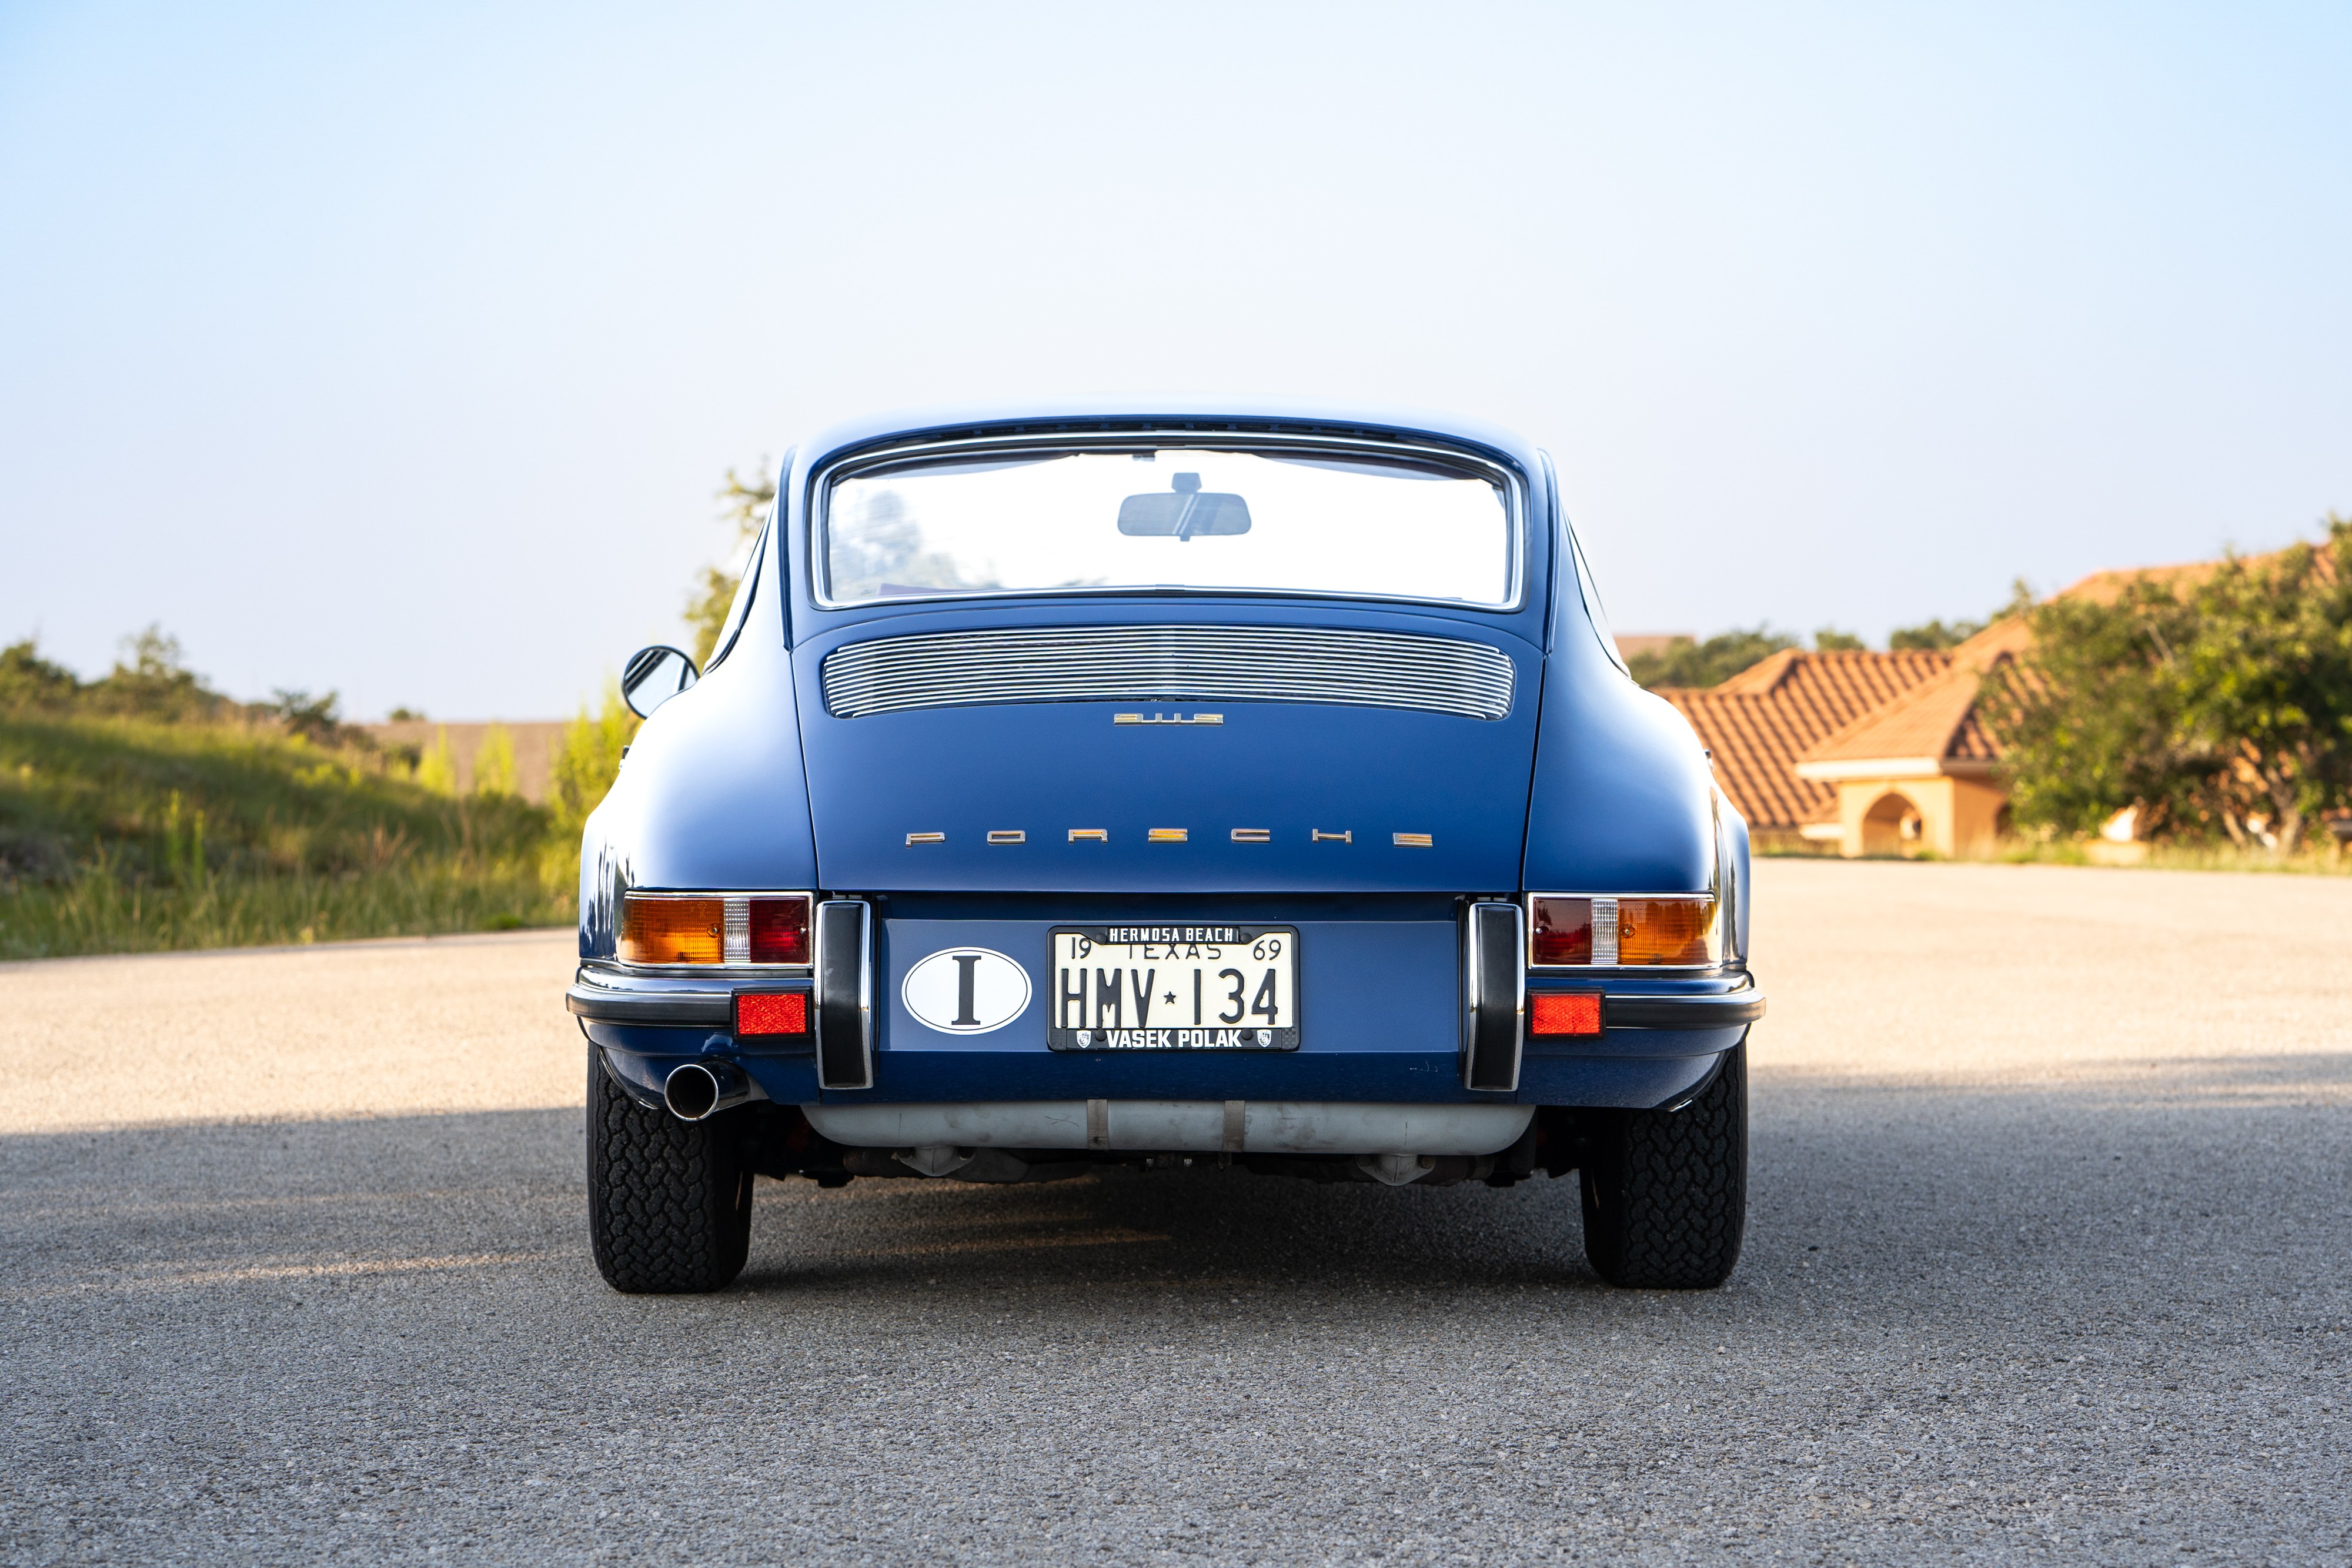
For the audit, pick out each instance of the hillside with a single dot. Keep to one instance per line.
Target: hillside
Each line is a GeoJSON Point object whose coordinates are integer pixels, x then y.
{"type": "Point", "coordinates": [205, 823]}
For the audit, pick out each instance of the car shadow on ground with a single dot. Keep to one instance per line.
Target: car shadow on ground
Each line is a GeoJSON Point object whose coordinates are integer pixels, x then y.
{"type": "Point", "coordinates": [1860, 1191]}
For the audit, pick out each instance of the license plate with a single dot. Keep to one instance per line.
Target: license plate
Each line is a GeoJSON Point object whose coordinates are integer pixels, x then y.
{"type": "Point", "coordinates": [1188, 987]}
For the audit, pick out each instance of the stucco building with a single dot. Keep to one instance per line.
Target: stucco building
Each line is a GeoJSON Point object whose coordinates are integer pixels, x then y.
{"type": "Point", "coordinates": [1868, 753]}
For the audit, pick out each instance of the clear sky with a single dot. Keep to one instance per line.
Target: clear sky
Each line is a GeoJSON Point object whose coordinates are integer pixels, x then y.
{"type": "Point", "coordinates": [398, 348]}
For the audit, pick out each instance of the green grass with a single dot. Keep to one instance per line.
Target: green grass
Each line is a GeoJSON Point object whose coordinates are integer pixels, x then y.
{"type": "Point", "coordinates": [130, 835]}
{"type": "Point", "coordinates": [2320, 860]}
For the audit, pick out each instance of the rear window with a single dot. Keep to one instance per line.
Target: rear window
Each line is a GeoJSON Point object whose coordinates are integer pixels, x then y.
{"type": "Point", "coordinates": [1260, 517]}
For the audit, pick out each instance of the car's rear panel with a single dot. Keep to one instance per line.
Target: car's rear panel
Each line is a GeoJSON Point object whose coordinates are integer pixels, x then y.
{"type": "Point", "coordinates": [1355, 815]}
{"type": "Point", "coordinates": [1377, 1014]}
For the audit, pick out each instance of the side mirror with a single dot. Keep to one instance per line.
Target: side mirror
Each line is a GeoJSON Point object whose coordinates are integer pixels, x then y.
{"type": "Point", "coordinates": [653, 675]}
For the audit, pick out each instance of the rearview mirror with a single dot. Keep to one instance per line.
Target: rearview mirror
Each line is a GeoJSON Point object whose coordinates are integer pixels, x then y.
{"type": "Point", "coordinates": [1184, 512]}
{"type": "Point", "coordinates": [653, 675]}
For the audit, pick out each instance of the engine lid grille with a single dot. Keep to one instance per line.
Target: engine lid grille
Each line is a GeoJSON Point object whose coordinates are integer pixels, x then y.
{"type": "Point", "coordinates": [1185, 664]}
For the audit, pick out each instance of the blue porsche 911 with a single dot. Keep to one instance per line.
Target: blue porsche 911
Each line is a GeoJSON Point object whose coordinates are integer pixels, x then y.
{"type": "Point", "coordinates": [1079, 786]}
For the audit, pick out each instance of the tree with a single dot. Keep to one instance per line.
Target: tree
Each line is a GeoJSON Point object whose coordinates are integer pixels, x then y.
{"type": "Point", "coordinates": [1830, 640]}
{"type": "Point", "coordinates": [587, 762]}
{"type": "Point", "coordinates": [29, 681]}
{"type": "Point", "coordinates": [319, 719]}
{"type": "Point", "coordinates": [745, 504]}
{"type": "Point", "coordinates": [1932, 636]}
{"type": "Point", "coordinates": [2223, 703]}
{"type": "Point", "coordinates": [1710, 663]}
{"type": "Point", "coordinates": [154, 681]}
{"type": "Point", "coordinates": [2088, 722]}
{"type": "Point", "coordinates": [2268, 674]}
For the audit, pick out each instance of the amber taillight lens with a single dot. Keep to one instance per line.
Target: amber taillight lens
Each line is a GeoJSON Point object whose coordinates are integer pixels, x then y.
{"type": "Point", "coordinates": [780, 930]}
{"type": "Point", "coordinates": [1666, 931]}
{"type": "Point", "coordinates": [673, 930]}
{"type": "Point", "coordinates": [1563, 931]}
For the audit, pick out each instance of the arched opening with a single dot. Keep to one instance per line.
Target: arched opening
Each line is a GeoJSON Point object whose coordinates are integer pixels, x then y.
{"type": "Point", "coordinates": [1893, 826]}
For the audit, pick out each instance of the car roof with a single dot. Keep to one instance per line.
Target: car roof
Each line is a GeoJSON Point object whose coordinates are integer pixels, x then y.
{"type": "Point", "coordinates": [1203, 409]}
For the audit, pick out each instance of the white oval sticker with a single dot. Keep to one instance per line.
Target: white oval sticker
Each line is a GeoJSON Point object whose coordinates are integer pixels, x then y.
{"type": "Point", "coordinates": [966, 990]}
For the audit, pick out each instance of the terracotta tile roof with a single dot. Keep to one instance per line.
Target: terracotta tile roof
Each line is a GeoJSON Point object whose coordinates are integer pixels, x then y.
{"type": "Point", "coordinates": [1922, 721]}
{"type": "Point", "coordinates": [1848, 684]}
{"type": "Point", "coordinates": [2004, 639]}
{"type": "Point", "coordinates": [1937, 717]}
{"type": "Point", "coordinates": [1759, 722]}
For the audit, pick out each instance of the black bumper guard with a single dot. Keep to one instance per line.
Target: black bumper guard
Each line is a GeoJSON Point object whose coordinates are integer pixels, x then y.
{"type": "Point", "coordinates": [1721, 1010]}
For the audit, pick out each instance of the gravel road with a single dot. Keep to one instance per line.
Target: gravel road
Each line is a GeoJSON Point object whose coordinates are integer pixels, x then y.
{"type": "Point", "coordinates": [2047, 1258]}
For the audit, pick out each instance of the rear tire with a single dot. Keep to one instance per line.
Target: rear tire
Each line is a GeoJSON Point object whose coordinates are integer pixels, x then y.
{"type": "Point", "coordinates": [670, 1202]}
{"type": "Point", "coordinates": [1665, 1192]}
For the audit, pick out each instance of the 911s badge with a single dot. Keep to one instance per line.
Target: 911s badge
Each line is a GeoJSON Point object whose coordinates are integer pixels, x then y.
{"type": "Point", "coordinates": [966, 990]}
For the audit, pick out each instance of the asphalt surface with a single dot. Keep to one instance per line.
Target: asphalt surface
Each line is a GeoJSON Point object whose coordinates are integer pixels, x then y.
{"type": "Point", "coordinates": [2047, 1260]}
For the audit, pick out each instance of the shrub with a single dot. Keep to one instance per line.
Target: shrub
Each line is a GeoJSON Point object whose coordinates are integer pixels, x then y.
{"type": "Point", "coordinates": [494, 762]}
{"type": "Point", "coordinates": [1710, 663]}
{"type": "Point", "coordinates": [587, 762]}
{"type": "Point", "coordinates": [2219, 706]}
{"type": "Point", "coordinates": [437, 767]}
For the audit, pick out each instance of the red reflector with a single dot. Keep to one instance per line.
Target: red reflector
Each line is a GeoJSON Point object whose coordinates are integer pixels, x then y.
{"type": "Point", "coordinates": [780, 931]}
{"type": "Point", "coordinates": [1563, 932]}
{"type": "Point", "coordinates": [1564, 1012]}
{"type": "Point", "coordinates": [781, 1012]}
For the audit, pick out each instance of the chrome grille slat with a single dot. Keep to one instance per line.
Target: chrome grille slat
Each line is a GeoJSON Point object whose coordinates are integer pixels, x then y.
{"type": "Point", "coordinates": [1142, 663]}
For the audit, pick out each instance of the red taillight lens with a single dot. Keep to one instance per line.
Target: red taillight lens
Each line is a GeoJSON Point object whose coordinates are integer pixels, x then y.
{"type": "Point", "coordinates": [780, 1012]}
{"type": "Point", "coordinates": [673, 930]}
{"type": "Point", "coordinates": [780, 932]}
{"type": "Point", "coordinates": [1564, 1012]}
{"type": "Point", "coordinates": [1563, 931]}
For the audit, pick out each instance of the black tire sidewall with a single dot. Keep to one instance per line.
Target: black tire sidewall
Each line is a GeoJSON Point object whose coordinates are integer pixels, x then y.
{"type": "Point", "coordinates": [1665, 1192]}
{"type": "Point", "coordinates": [670, 1202]}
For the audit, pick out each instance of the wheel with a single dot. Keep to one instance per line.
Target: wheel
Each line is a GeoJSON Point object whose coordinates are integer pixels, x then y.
{"type": "Point", "coordinates": [670, 1202]}
{"type": "Point", "coordinates": [1665, 1192]}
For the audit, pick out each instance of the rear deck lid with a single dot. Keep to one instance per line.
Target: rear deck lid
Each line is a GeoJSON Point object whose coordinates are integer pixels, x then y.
{"type": "Point", "coordinates": [1337, 750]}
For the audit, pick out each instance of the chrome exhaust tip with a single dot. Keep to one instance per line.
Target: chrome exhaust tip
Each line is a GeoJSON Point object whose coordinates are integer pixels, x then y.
{"type": "Point", "coordinates": [696, 1090]}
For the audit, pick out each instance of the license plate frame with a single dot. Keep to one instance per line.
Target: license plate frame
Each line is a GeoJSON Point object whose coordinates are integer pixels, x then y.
{"type": "Point", "coordinates": [1080, 1017]}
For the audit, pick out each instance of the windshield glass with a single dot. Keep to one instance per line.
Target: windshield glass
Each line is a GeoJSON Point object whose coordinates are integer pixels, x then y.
{"type": "Point", "coordinates": [1171, 516]}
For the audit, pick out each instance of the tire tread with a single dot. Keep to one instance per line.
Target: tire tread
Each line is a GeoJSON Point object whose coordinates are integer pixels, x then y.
{"type": "Point", "coordinates": [670, 1202]}
{"type": "Point", "coordinates": [1665, 1192]}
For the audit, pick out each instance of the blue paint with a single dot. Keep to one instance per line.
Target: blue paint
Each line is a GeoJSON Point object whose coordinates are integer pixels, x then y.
{"type": "Point", "coordinates": [1633, 1084]}
{"type": "Point", "coordinates": [1366, 987]}
{"type": "Point", "coordinates": [1288, 767]}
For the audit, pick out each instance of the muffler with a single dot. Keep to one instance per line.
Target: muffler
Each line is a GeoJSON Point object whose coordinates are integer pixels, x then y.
{"type": "Point", "coordinates": [696, 1090]}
